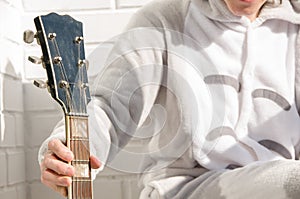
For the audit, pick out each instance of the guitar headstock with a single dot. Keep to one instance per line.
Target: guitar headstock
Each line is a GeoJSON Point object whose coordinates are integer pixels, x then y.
{"type": "Point", "coordinates": [61, 40]}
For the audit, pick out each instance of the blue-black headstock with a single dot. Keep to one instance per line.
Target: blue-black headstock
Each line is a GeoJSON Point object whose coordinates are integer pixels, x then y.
{"type": "Point", "coordinates": [61, 40]}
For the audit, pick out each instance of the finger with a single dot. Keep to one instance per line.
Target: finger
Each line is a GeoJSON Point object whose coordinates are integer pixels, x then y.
{"type": "Point", "coordinates": [59, 149]}
{"type": "Point", "coordinates": [49, 177]}
{"type": "Point", "coordinates": [61, 190]}
{"type": "Point", "coordinates": [58, 166]}
{"type": "Point", "coordinates": [95, 163]}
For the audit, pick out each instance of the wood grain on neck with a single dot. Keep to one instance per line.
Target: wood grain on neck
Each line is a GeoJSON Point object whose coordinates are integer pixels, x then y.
{"type": "Point", "coordinates": [78, 141]}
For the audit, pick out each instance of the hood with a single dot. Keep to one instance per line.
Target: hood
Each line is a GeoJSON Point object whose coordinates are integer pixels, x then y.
{"type": "Point", "coordinates": [289, 10]}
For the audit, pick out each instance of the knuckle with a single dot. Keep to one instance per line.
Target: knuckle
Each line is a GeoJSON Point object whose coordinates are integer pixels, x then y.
{"type": "Point", "coordinates": [51, 144]}
{"type": "Point", "coordinates": [47, 161]}
{"type": "Point", "coordinates": [54, 144]}
{"type": "Point", "coordinates": [48, 154]}
{"type": "Point", "coordinates": [59, 168]}
{"type": "Point", "coordinates": [65, 181]}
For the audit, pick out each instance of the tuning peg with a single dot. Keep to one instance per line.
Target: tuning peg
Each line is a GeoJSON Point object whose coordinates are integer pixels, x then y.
{"type": "Point", "coordinates": [35, 60]}
{"type": "Point", "coordinates": [40, 83]}
{"type": "Point", "coordinates": [78, 40]}
{"type": "Point", "coordinates": [81, 63]}
{"type": "Point", "coordinates": [28, 36]}
{"type": "Point", "coordinates": [84, 62]}
{"type": "Point", "coordinates": [57, 60]}
{"type": "Point", "coordinates": [64, 84]}
{"type": "Point", "coordinates": [84, 85]}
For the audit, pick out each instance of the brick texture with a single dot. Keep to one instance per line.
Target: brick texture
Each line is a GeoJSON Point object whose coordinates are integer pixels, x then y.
{"type": "Point", "coordinates": [13, 95]}
{"type": "Point", "coordinates": [11, 56]}
{"type": "Point", "coordinates": [28, 114]}
{"type": "Point", "coordinates": [3, 171]}
{"type": "Point", "coordinates": [16, 166]}
{"type": "Point", "coordinates": [10, 18]}
{"type": "Point", "coordinates": [131, 3]}
{"type": "Point", "coordinates": [10, 193]}
{"type": "Point", "coordinates": [7, 130]}
{"type": "Point", "coordinates": [32, 174]}
{"type": "Point", "coordinates": [37, 190]}
{"type": "Point", "coordinates": [67, 5]}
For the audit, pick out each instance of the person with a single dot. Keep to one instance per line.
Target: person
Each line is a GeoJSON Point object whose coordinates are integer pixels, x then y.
{"type": "Point", "coordinates": [212, 86]}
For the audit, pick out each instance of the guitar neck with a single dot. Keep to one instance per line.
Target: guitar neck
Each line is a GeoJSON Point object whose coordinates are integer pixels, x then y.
{"type": "Point", "coordinates": [62, 43]}
{"type": "Point", "coordinates": [78, 141]}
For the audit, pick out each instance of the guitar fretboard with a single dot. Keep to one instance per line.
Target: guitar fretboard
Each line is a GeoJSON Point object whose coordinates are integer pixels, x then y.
{"type": "Point", "coordinates": [78, 142]}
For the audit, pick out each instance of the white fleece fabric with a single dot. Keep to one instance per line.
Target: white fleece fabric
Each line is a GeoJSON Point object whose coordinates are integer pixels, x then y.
{"type": "Point", "coordinates": [208, 90]}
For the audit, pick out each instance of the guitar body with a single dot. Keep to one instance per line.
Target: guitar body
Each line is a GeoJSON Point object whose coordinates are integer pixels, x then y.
{"type": "Point", "coordinates": [61, 40]}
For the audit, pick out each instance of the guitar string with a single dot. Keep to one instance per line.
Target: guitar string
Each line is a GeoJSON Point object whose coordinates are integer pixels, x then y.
{"type": "Point", "coordinates": [85, 147]}
{"type": "Point", "coordinates": [82, 86]}
{"type": "Point", "coordinates": [68, 95]}
{"type": "Point", "coordinates": [64, 77]}
{"type": "Point", "coordinates": [62, 68]}
{"type": "Point", "coordinates": [69, 101]}
{"type": "Point", "coordinates": [82, 152]}
{"type": "Point", "coordinates": [74, 184]}
{"type": "Point", "coordinates": [80, 107]}
{"type": "Point", "coordinates": [80, 77]}
{"type": "Point", "coordinates": [79, 185]}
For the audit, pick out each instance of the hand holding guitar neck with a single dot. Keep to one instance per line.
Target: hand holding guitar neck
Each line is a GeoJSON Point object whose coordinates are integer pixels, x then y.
{"type": "Point", "coordinates": [62, 44]}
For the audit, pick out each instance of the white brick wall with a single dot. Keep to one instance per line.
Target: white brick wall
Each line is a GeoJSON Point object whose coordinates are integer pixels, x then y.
{"type": "Point", "coordinates": [12, 148]}
{"type": "Point", "coordinates": [28, 114]}
{"type": "Point", "coordinates": [130, 3]}
{"type": "Point", "coordinates": [3, 171]}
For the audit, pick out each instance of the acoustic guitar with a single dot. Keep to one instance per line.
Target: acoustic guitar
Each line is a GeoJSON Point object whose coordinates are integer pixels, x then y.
{"type": "Point", "coordinates": [62, 43]}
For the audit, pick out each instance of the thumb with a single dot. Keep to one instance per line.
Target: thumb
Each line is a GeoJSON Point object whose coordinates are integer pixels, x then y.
{"type": "Point", "coordinates": [95, 162]}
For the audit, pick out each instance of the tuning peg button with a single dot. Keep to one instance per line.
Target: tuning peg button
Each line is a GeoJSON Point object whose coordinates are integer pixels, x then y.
{"type": "Point", "coordinates": [28, 36]}
{"type": "Point", "coordinates": [35, 60]}
{"type": "Point", "coordinates": [40, 83]}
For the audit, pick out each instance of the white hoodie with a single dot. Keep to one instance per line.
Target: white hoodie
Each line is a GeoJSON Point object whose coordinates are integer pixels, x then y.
{"type": "Point", "coordinates": [200, 86]}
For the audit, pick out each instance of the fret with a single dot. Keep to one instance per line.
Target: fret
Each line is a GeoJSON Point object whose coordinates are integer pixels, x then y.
{"type": "Point", "coordinates": [79, 139]}
{"type": "Point", "coordinates": [73, 114]}
{"type": "Point", "coordinates": [81, 180]}
{"type": "Point", "coordinates": [80, 161]}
